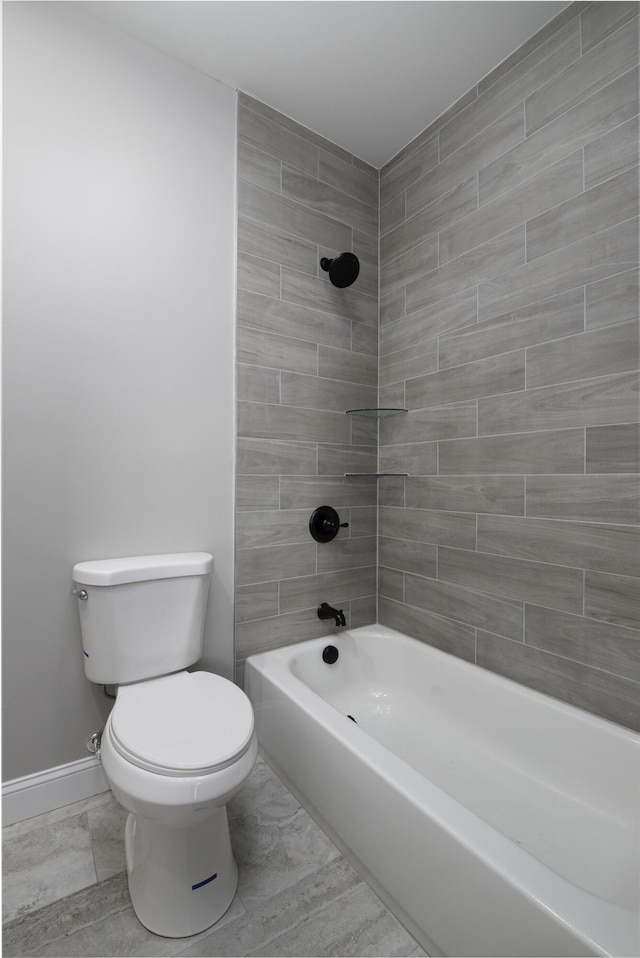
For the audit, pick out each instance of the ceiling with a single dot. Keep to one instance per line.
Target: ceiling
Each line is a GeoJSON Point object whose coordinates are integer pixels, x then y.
{"type": "Point", "coordinates": [369, 75]}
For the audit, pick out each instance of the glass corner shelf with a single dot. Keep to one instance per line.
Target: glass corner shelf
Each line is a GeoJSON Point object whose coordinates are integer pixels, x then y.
{"type": "Point", "coordinates": [377, 413]}
{"type": "Point", "coordinates": [375, 475]}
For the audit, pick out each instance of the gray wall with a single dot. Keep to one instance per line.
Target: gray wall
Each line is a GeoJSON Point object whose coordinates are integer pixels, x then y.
{"type": "Point", "coordinates": [306, 352]}
{"type": "Point", "coordinates": [119, 167]}
{"type": "Point", "coordinates": [509, 328]}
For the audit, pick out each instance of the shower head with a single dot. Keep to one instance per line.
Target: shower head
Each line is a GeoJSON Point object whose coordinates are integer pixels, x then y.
{"type": "Point", "coordinates": [343, 270]}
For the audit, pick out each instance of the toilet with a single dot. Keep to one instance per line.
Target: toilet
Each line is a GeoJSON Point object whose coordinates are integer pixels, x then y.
{"type": "Point", "coordinates": [177, 744]}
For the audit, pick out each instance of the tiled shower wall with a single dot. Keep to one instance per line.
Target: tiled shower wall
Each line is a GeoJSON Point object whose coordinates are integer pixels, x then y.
{"type": "Point", "coordinates": [306, 352]}
{"type": "Point", "coordinates": [509, 328]}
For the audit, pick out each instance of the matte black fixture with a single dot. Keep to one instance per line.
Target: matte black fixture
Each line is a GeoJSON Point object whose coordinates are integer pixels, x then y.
{"type": "Point", "coordinates": [324, 524]}
{"type": "Point", "coordinates": [343, 270]}
{"type": "Point", "coordinates": [326, 611]}
{"type": "Point", "coordinates": [330, 654]}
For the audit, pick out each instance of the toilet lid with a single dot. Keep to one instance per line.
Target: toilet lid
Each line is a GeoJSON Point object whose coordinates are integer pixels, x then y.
{"type": "Point", "coordinates": [191, 723]}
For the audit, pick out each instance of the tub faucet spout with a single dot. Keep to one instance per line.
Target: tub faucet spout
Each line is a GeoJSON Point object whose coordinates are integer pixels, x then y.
{"type": "Point", "coordinates": [325, 611]}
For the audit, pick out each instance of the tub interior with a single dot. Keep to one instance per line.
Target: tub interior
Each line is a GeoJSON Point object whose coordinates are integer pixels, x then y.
{"type": "Point", "coordinates": [565, 791]}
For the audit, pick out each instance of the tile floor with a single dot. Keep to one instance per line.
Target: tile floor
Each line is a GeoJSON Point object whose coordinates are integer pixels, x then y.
{"type": "Point", "coordinates": [65, 890]}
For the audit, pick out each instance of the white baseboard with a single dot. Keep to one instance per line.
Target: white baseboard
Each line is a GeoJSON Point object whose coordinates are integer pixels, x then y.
{"type": "Point", "coordinates": [52, 788]}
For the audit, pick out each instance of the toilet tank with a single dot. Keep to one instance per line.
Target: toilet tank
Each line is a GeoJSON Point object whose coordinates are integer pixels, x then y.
{"type": "Point", "coordinates": [143, 616]}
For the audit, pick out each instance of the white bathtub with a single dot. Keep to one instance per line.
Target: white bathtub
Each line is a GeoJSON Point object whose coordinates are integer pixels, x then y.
{"type": "Point", "coordinates": [493, 820]}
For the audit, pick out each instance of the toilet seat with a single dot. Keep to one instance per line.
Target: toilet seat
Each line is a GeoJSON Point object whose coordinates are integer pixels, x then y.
{"type": "Point", "coordinates": [187, 724]}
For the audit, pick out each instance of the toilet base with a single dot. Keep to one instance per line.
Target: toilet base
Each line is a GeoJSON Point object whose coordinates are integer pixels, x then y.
{"type": "Point", "coordinates": [181, 880]}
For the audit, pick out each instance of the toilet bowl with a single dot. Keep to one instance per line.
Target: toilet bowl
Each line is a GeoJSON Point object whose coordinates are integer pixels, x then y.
{"type": "Point", "coordinates": [177, 744]}
{"type": "Point", "coordinates": [174, 751]}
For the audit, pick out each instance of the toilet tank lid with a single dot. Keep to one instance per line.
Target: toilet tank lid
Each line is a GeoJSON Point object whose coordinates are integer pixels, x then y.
{"type": "Point", "coordinates": [141, 568]}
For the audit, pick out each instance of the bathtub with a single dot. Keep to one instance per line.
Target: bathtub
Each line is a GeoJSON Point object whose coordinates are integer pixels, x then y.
{"type": "Point", "coordinates": [492, 819]}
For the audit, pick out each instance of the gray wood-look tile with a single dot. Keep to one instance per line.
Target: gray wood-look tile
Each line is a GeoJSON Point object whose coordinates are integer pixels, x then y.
{"type": "Point", "coordinates": [611, 154]}
{"type": "Point", "coordinates": [258, 275]}
{"type": "Point", "coordinates": [408, 555]}
{"type": "Point", "coordinates": [528, 200]}
{"type": "Point", "coordinates": [391, 583]}
{"type": "Point", "coordinates": [280, 120]}
{"type": "Point", "coordinates": [613, 448]}
{"type": "Point", "coordinates": [271, 457]}
{"type": "Point", "coordinates": [440, 528]}
{"type": "Point", "coordinates": [363, 521]}
{"type": "Point", "coordinates": [256, 601]}
{"type": "Point", "coordinates": [459, 202]}
{"type": "Point", "coordinates": [360, 181]}
{"type": "Point", "coordinates": [319, 293]}
{"type": "Point", "coordinates": [273, 632]}
{"type": "Point", "coordinates": [257, 347]}
{"type": "Point", "coordinates": [264, 136]}
{"type": "Point", "coordinates": [290, 216]}
{"type": "Point", "coordinates": [603, 254]}
{"type": "Point", "coordinates": [597, 546]}
{"type": "Point", "coordinates": [256, 384]}
{"type": "Point", "coordinates": [332, 202]}
{"type": "Point", "coordinates": [333, 586]}
{"type": "Point", "coordinates": [408, 363]}
{"type": "Point", "coordinates": [487, 494]}
{"type": "Point", "coordinates": [286, 319]}
{"type": "Point", "coordinates": [259, 168]}
{"type": "Point", "coordinates": [548, 59]}
{"type": "Point", "coordinates": [314, 392]}
{"type": "Point", "coordinates": [346, 552]}
{"type": "Point", "coordinates": [573, 130]}
{"type": "Point", "coordinates": [491, 612]}
{"type": "Point", "coordinates": [416, 458]}
{"type": "Point", "coordinates": [492, 259]}
{"type": "Point", "coordinates": [589, 402]}
{"type": "Point", "coordinates": [423, 325]}
{"type": "Point", "coordinates": [560, 451]}
{"type": "Point", "coordinates": [612, 598]}
{"type": "Point", "coordinates": [531, 47]}
{"type": "Point", "coordinates": [554, 586]}
{"type": "Point", "coordinates": [364, 339]}
{"type": "Point", "coordinates": [486, 377]}
{"type": "Point", "coordinates": [479, 151]}
{"type": "Point", "coordinates": [391, 303]}
{"type": "Point", "coordinates": [302, 493]}
{"type": "Point", "coordinates": [610, 696]}
{"type": "Point", "coordinates": [599, 20]}
{"type": "Point", "coordinates": [550, 319]}
{"type": "Point", "coordinates": [414, 262]}
{"type": "Point", "coordinates": [257, 492]}
{"type": "Point", "coordinates": [613, 300]}
{"type": "Point", "coordinates": [464, 299]}
{"type": "Point", "coordinates": [392, 214]}
{"type": "Point", "coordinates": [596, 209]}
{"type": "Point", "coordinates": [453, 637]}
{"type": "Point", "coordinates": [276, 527]}
{"type": "Point", "coordinates": [597, 67]}
{"type": "Point", "coordinates": [396, 176]}
{"type": "Point", "coordinates": [334, 460]}
{"type": "Point", "coordinates": [263, 563]}
{"type": "Point", "coordinates": [263, 421]}
{"type": "Point", "coordinates": [347, 366]}
{"type": "Point", "coordinates": [592, 642]}
{"type": "Point", "coordinates": [591, 498]}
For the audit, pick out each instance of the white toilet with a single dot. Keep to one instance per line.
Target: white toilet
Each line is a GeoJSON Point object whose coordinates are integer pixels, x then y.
{"type": "Point", "coordinates": [177, 745]}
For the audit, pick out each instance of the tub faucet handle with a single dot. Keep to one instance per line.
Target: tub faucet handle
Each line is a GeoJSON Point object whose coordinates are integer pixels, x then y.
{"type": "Point", "coordinates": [325, 611]}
